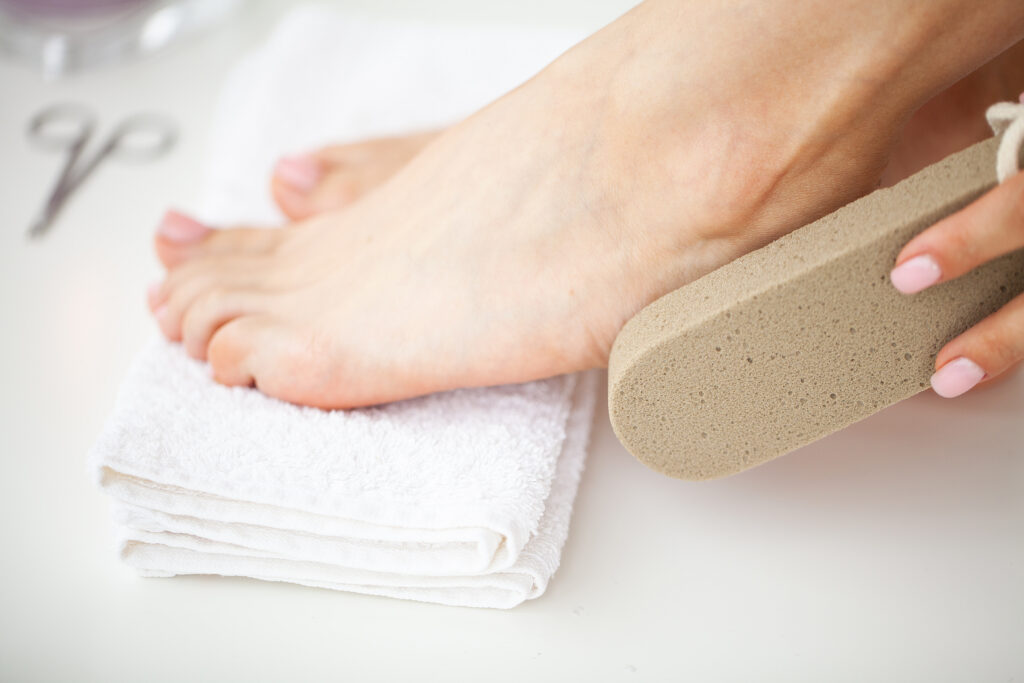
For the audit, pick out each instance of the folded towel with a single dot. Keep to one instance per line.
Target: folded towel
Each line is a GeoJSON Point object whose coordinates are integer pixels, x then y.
{"type": "Point", "coordinates": [461, 497]}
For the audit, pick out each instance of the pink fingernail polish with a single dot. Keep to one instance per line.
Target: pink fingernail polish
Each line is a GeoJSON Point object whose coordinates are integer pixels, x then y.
{"type": "Point", "coordinates": [916, 274]}
{"type": "Point", "coordinates": [301, 172]}
{"type": "Point", "coordinates": [177, 227]}
{"type": "Point", "coordinates": [956, 377]}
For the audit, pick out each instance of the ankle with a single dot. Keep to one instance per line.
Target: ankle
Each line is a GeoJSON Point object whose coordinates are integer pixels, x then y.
{"type": "Point", "coordinates": [945, 40]}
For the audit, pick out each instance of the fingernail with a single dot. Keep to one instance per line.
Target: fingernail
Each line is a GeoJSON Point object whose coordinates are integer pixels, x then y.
{"type": "Point", "coordinates": [177, 227]}
{"type": "Point", "coordinates": [301, 172]}
{"type": "Point", "coordinates": [152, 295]}
{"type": "Point", "coordinates": [160, 313]}
{"type": "Point", "coordinates": [956, 377]}
{"type": "Point", "coordinates": [916, 274]}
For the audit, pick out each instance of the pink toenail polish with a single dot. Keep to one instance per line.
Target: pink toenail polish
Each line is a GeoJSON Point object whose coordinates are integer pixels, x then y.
{"type": "Point", "coordinates": [177, 227]}
{"type": "Point", "coordinates": [153, 294]}
{"type": "Point", "coordinates": [916, 274]}
{"type": "Point", "coordinates": [301, 172]}
{"type": "Point", "coordinates": [956, 377]}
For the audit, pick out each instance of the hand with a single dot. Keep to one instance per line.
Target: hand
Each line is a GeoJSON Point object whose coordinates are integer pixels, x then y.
{"type": "Point", "coordinates": [990, 227]}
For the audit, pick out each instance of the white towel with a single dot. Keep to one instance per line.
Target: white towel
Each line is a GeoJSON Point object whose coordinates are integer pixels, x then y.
{"type": "Point", "coordinates": [461, 497]}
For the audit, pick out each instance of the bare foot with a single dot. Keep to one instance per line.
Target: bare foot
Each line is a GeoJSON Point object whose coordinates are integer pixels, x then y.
{"type": "Point", "coordinates": [336, 176]}
{"type": "Point", "coordinates": [955, 119]}
{"type": "Point", "coordinates": [516, 244]}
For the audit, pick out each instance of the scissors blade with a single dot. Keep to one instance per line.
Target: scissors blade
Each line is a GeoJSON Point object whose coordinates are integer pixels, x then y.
{"type": "Point", "coordinates": [44, 221]}
{"type": "Point", "coordinates": [68, 179]}
{"type": "Point", "coordinates": [41, 225]}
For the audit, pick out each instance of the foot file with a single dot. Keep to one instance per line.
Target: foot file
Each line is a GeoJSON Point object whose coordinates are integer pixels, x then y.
{"type": "Point", "coordinates": [803, 336]}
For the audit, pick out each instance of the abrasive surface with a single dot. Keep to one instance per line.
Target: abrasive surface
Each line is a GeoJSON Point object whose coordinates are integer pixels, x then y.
{"type": "Point", "coordinates": [802, 337]}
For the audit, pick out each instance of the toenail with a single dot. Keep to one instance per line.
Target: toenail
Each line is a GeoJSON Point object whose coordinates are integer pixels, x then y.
{"type": "Point", "coordinates": [300, 172]}
{"type": "Point", "coordinates": [177, 227]}
{"type": "Point", "coordinates": [153, 295]}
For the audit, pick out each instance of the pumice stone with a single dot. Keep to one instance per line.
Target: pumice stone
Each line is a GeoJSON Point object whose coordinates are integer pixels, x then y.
{"type": "Point", "coordinates": [802, 337]}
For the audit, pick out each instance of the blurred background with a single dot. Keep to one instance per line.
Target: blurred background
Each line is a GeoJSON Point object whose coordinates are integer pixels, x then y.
{"type": "Point", "coordinates": [169, 57]}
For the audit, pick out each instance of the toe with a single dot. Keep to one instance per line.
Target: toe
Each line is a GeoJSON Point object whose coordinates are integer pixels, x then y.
{"type": "Point", "coordinates": [232, 349]}
{"type": "Point", "coordinates": [294, 183]}
{"type": "Point", "coordinates": [336, 176]}
{"type": "Point", "coordinates": [177, 236]}
{"type": "Point", "coordinates": [213, 309]}
{"type": "Point", "coordinates": [185, 285]}
{"type": "Point", "coordinates": [338, 188]}
{"type": "Point", "coordinates": [180, 239]}
{"type": "Point", "coordinates": [278, 357]}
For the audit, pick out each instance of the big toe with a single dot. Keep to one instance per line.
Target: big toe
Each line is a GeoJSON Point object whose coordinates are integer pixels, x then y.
{"type": "Point", "coordinates": [304, 186]}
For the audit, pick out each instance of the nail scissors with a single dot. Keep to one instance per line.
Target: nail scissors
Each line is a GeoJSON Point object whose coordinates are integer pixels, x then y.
{"type": "Point", "coordinates": [69, 127]}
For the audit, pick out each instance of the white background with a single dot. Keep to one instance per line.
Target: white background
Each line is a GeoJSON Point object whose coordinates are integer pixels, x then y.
{"type": "Point", "coordinates": [891, 551]}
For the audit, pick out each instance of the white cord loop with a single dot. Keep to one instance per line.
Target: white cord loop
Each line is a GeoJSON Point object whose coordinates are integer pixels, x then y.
{"type": "Point", "coordinates": [1007, 119]}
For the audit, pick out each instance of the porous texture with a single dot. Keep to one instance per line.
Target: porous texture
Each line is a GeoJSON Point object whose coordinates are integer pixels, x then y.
{"type": "Point", "coordinates": [801, 337]}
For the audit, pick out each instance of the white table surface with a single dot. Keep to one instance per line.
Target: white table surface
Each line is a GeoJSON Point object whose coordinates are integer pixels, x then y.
{"type": "Point", "coordinates": [891, 551]}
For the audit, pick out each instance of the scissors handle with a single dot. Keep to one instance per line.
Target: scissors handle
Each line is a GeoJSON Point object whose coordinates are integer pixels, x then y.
{"type": "Point", "coordinates": [61, 126]}
{"type": "Point", "coordinates": [142, 137]}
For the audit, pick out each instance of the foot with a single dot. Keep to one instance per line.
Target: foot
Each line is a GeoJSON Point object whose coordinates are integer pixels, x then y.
{"type": "Point", "coordinates": [336, 176]}
{"type": "Point", "coordinates": [516, 244]}
{"type": "Point", "coordinates": [955, 119]}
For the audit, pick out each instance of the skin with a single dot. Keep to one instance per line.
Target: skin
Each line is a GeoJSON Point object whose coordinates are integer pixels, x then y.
{"type": "Point", "coordinates": [986, 229]}
{"type": "Point", "coordinates": [951, 121]}
{"type": "Point", "coordinates": [338, 175]}
{"type": "Point", "coordinates": [514, 245]}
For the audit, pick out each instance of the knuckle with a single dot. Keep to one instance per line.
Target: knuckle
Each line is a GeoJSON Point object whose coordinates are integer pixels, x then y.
{"type": "Point", "coordinates": [997, 347]}
{"type": "Point", "coordinates": [958, 244]}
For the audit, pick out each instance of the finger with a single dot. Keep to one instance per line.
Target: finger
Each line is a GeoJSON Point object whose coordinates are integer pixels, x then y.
{"type": "Point", "coordinates": [987, 228]}
{"type": "Point", "coordinates": [986, 350]}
